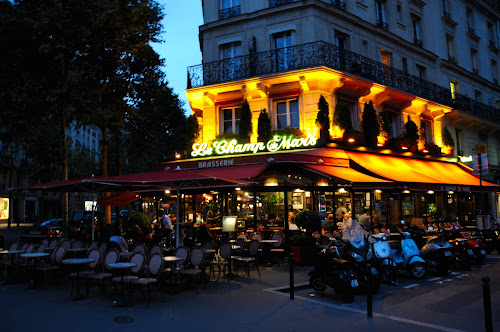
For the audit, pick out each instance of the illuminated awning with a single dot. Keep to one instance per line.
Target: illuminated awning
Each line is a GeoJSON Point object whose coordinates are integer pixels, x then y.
{"type": "Point", "coordinates": [288, 94]}
{"type": "Point", "coordinates": [411, 170]}
{"type": "Point", "coordinates": [359, 180]}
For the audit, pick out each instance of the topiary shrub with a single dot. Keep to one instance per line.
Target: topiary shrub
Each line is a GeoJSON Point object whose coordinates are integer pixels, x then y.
{"type": "Point", "coordinates": [264, 128]}
{"type": "Point", "coordinates": [139, 219]}
{"type": "Point", "coordinates": [309, 220]}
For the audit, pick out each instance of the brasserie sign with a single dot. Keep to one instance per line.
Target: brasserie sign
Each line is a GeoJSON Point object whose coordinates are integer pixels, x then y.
{"type": "Point", "coordinates": [227, 147]}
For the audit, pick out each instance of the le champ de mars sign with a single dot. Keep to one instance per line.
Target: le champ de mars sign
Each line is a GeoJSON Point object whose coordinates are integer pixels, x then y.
{"type": "Point", "coordinates": [227, 147]}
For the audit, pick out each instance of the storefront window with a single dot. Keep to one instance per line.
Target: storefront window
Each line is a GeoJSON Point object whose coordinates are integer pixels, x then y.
{"type": "Point", "coordinates": [4, 208]}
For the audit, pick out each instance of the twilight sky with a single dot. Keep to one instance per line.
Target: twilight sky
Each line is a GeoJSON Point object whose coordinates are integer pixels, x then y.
{"type": "Point", "coordinates": [180, 48]}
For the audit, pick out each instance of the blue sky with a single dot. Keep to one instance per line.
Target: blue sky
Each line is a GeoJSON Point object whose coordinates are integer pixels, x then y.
{"type": "Point", "coordinates": [180, 48]}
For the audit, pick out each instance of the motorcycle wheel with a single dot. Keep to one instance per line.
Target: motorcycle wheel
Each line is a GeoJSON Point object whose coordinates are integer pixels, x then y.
{"type": "Point", "coordinates": [386, 274]}
{"type": "Point", "coordinates": [418, 270]}
{"type": "Point", "coordinates": [317, 283]}
{"type": "Point", "coordinates": [343, 291]}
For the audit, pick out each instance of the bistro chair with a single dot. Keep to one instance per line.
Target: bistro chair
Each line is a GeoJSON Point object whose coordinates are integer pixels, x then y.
{"type": "Point", "coordinates": [221, 261]}
{"type": "Point", "coordinates": [111, 256]}
{"type": "Point", "coordinates": [54, 264]}
{"type": "Point", "coordinates": [250, 258]}
{"type": "Point", "coordinates": [258, 236]}
{"type": "Point", "coordinates": [277, 248]}
{"type": "Point", "coordinates": [195, 266]}
{"type": "Point", "coordinates": [93, 244]}
{"type": "Point", "coordinates": [140, 260]}
{"type": "Point", "coordinates": [173, 272]}
{"type": "Point", "coordinates": [156, 249]}
{"type": "Point", "coordinates": [155, 267]}
{"type": "Point", "coordinates": [77, 244]}
{"type": "Point", "coordinates": [53, 243]}
{"type": "Point", "coordinates": [139, 247]}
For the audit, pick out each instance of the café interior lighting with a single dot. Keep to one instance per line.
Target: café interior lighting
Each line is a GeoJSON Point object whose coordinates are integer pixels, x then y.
{"type": "Point", "coordinates": [404, 148]}
{"type": "Point", "coordinates": [167, 191]}
{"type": "Point", "coordinates": [406, 191]}
{"type": "Point", "coordinates": [378, 191]}
{"type": "Point", "coordinates": [271, 182]}
{"type": "Point", "coordinates": [351, 140]}
{"type": "Point", "coordinates": [342, 191]}
{"type": "Point", "coordinates": [237, 188]}
{"type": "Point", "coordinates": [430, 192]}
{"type": "Point", "coordinates": [451, 192]}
{"type": "Point", "coordinates": [178, 156]}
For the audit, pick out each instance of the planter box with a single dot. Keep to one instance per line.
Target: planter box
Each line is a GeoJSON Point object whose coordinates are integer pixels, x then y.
{"type": "Point", "coordinates": [304, 255]}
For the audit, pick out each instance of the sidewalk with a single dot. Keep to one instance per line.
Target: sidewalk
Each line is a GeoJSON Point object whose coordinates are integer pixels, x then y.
{"type": "Point", "coordinates": [241, 304]}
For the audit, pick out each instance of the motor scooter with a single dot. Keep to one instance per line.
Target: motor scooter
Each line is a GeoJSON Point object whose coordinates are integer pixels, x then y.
{"type": "Point", "coordinates": [331, 270]}
{"type": "Point", "coordinates": [406, 256]}
{"type": "Point", "coordinates": [382, 260]}
{"type": "Point", "coordinates": [437, 253]}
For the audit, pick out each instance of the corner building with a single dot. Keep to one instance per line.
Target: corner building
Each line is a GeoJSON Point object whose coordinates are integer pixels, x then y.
{"type": "Point", "coordinates": [434, 63]}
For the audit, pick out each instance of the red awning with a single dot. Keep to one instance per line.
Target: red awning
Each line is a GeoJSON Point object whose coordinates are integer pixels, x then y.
{"type": "Point", "coordinates": [236, 172]}
{"type": "Point", "coordinates": [119, 199]}
{"type": "Point", "coordinates": [288, 94]}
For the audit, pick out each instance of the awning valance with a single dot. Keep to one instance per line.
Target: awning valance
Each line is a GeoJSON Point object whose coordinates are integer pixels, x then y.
{"type": "Point", "coordinates": [118, 199]}
{"type": "Point", "coordinates": [359, 180]}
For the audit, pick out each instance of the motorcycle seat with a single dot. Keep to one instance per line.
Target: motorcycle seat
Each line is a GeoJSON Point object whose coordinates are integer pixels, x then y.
{"type": "Point", "coordinates": [340, 261]}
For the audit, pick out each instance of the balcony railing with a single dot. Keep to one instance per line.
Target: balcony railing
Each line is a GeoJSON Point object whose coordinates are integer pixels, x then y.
{"type": "Point", "coordinates": [339, 4]}
{"type": "Point", "coordinates": [319, 54]}
{"type": "Point", "coordinates": [275, 3]}
{"type": "Point", "coordinates": [229, 12]}
{"type": "Point", "coordinates": [417, 42]}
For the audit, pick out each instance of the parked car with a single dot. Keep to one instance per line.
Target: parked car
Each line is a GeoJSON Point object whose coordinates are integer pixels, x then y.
{"type": "Point", "coordinates": [51, 227]}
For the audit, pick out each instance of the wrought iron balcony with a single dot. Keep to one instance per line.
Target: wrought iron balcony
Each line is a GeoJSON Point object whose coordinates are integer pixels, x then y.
{"type": "Point", "coordinates": [322, 54]}
{"type": "Point", "coordinates": [417, 42]}
{"type": "Point", "coordinates": [275, 3]}
{"type": "Point", "coordinates": [339, 4]}
{"type": "Point", "coordinates": [229, 12]}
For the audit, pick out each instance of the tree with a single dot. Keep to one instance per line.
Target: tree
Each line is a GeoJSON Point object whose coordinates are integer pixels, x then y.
{"type": "Point", "coordinates": [323, 118]}
{"type": "Point", "coordinates": [411, 134]}
{"type": "Point", "coordinates": [192, 130]}
{"type": "Point", "coordinates": [264, 129]}
{"type": "Point", "coordinates": [342, 116]}
{"type": "Point", "coordinates": [447, 138]}
{"type": "Point", "coordinates": [245, 129]}
{"type": "Point", "coordinates": [384, 119]}
{"type": "Point", "coordinates": [370, 125]}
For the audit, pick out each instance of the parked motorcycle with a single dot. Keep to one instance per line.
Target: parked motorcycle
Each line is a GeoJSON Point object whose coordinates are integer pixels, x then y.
{"type": "Point", "coordinates": [437, 253]}
{"type": "Point", "coordinates": [334, 272]}
{"type": "Point", "coordinates": [464, 256]}
{"type": "Point", "coordinates": [406, 256]}
{"type": "Point", "coordinates": [383, 260]}
{"type": "Point", "coordinates": [359, 251]}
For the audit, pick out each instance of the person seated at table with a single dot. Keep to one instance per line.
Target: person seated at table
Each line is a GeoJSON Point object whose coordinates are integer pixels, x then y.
{"type": "Point", "coordinates": [120, 242]}
{"type": "Point", "coordinates": [203, 235]}
{"type": "Point", "coordinates": [291, 222]}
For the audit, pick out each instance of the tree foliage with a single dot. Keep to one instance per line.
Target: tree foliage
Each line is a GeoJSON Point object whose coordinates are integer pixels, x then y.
{"type": "Point", "coordinates": [369, 124]}
{"type": "Point", "coordinates": [192, 130]}
{"type": "Point", "coordinates": [342, 116]}
{"type": "Point", "coordinates": [411, 131]}
{"type": "Point", "coordinates": [323, 117]}
{"type": "Point", "coordinates": [264, 129]}
{"type": "Point", "coordinates": [447, 138]}
{"type": "Point", "coordinates": [245, 129]}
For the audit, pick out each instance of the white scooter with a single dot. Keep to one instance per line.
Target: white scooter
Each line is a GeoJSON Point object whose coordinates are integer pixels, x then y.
{"type": "Point", "coordinates": [407, 256]}
{"type": "Point", "coordinates": [383, 260]}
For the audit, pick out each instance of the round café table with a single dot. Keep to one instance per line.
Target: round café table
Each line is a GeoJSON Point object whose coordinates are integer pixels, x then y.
{"type": "Point", "coordinates": [171, 260]}
{"type": "Point", "coordinates": [79, 262]}
{"type": "Point", "coordinates": [34, 256]}
{"type": "Point", "coordinates": [122, 267]}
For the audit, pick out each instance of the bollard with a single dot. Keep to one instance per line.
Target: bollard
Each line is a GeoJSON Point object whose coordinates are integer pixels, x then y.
{"type": "Point", "coordinates": [488, 322]}
{"type": "Point", "coordinates": [369, 300]}
{"type": "Point", "coordinates": [292, 282]}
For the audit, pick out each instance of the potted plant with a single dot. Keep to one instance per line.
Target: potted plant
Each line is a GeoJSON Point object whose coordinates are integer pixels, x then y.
{"type": "Point", "coordinates": [304, 249]}
{"type": "Point", "coordinates": [448, 139]}
{"type": "Point", "coordinates": [245, 129]}
{"type": "Point", "coordinates": [323, 120]}
{"type": "Point", "coordinates": [264, 129]}
{"type": "Point", "coordinates": [309, 221]}
{"type": "Point", "coordinates": [370, 125]}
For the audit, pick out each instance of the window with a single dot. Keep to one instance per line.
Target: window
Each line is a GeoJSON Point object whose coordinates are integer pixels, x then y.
{"type": "Point", "coordinates": [426, 130]}
{"type": "Point", "coordinates": [380, 9]}
{"type": "Point", "coordinates": [473, 56]}
{"type": "Point", "coordinates": [491, 34]}
{"type": "Point", "coordinates": [421, 72]}
{"type": "Point", "coordinates": [385, 57]}
{"type": "Point", "coordinates": [342, 42]}
{"type": "Point", "coordinates": [494, 71]}
{"type": "Point", "coordinates": [416, 30]}
{"type": "Point", "coordinates": [230, 120]}
{"type": "Point", "coordinates": [283, 53]}
{"type": "Point", "coordinates": [340, 4]}
{"type": "Point", "coordinates": [446, 11]}
{"type": "Point", "coordinates": [392, 123]}
{"type": "Point", "coordinates": [405, 65]}
{"type": "Point", "coordinates": [453, 88]}
{"type": "Point", "coordinates": [477, 95]}
{"type": "Point", "coordinates": [231, 63]}
{"type": "Point", "coordinates": [400, 12]}
{"type": "Point", "coordinates": [450, 47]}
{"type": "Point", "coordinates": [229, 8]}
{"type": "Point", "coordinates": [470, 20]}
{"type": "Point", "coordinates": [287, 114]}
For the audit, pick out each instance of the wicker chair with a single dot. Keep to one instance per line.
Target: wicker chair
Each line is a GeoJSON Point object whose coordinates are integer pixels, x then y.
{"type": "Point", "coordinates": [111, 256]}
{"type": "Point", "coordinates": [277, 248]}
{"type": "Point", "coordinates": [221, 261]}
{"type": "Point", "coordinates": [54, 264]}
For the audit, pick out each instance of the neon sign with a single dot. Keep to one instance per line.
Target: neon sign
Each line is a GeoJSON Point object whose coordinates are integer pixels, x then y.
{"type": "Point", "coordinates": [277, 143]}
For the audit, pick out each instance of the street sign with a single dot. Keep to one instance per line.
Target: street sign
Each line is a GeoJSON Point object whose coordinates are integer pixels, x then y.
{"type": "Point", "coordinates": [480, 163]}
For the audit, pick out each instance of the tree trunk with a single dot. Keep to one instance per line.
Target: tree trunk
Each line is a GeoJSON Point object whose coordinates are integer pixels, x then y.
{"type": "Point", "coordinates": [65, 170]}
{"type": "Point", "coordinates": [105, 145]}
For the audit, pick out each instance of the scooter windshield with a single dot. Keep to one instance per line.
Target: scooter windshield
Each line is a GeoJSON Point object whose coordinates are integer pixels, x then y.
{"type": "Point", "coordinates": [354, 233]}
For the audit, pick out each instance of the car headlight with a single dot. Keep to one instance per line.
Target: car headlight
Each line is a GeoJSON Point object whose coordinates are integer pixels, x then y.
{"type": "Point", "coordinates": [357, 257]}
